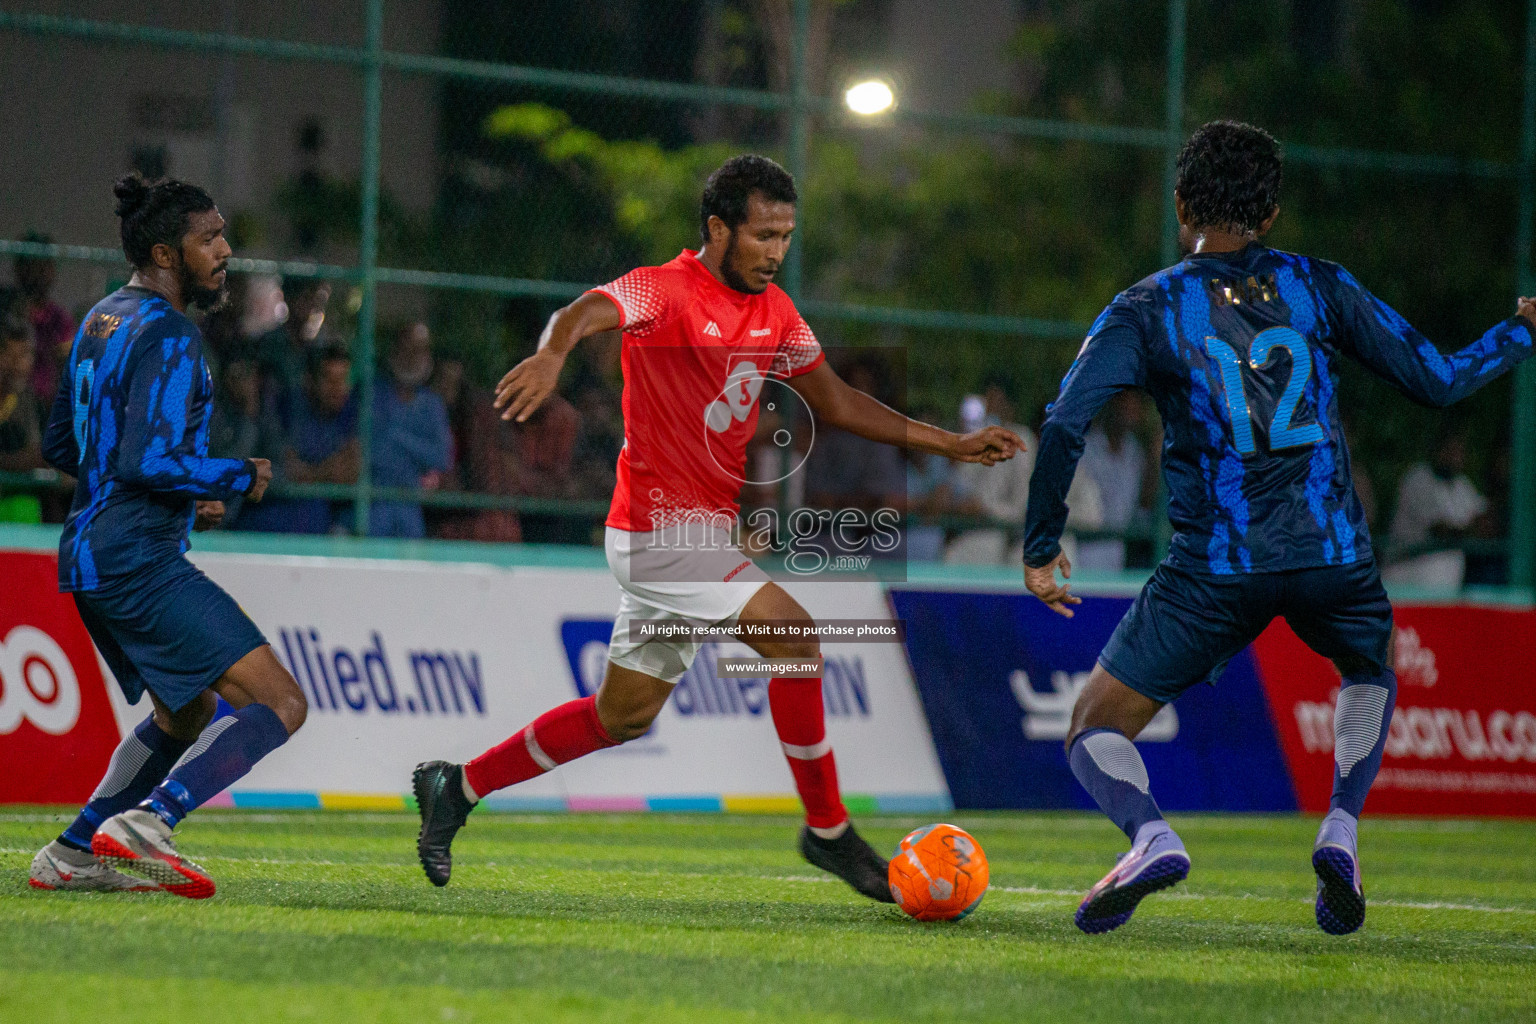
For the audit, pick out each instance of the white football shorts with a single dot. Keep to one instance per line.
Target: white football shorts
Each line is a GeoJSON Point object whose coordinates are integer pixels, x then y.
{"type": "Point", "coordinates": [701, 578]}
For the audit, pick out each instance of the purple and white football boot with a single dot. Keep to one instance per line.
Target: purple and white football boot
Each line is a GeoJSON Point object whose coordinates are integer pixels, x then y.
{"type": "Point", "coordinates": [1156, 861]}
{"type": "Point", "coordinates": [1340, 897]}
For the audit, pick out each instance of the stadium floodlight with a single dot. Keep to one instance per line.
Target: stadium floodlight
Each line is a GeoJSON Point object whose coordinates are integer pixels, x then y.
{"type": "Point", "coordinates": [870, 97]}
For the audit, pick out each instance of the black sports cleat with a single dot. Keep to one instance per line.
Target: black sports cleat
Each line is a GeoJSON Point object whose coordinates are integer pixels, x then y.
{"type": "Point", "coordinates": [444, 808]}
{"type": "Point", "coordinates": [850, 858]}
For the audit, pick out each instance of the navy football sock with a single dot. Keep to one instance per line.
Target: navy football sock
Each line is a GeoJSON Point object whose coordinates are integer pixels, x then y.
{"type": "Point", "coordinates": [222, 755]}
{"type": "Point", "coordinates": [1111, 770]}
{"type": "Point", "coordinates": [1360, 725]}
{"type": "Point", "coordinates": [139, 762]}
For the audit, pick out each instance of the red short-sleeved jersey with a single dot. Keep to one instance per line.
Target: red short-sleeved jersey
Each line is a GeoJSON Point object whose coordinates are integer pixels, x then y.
{"type": "Point", "coordinates": [695, 355]}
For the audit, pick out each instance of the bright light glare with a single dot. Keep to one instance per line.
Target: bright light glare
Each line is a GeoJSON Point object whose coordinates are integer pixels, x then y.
{"type": "Point", "coordinates": [871, 97]}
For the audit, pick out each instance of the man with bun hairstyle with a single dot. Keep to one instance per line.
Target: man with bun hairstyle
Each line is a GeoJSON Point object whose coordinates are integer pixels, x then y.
{"type": "Point", "coordinates": [130, 423]}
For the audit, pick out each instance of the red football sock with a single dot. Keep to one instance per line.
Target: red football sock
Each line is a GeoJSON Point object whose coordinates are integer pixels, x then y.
{"type": "Point", "coordinates": [797, 715]}
{"type": "Point", "coordinates": [559, 735]}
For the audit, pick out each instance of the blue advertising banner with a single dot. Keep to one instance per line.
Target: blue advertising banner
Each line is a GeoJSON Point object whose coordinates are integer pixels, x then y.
{"type": "Point", "coordinates": [998, 674]}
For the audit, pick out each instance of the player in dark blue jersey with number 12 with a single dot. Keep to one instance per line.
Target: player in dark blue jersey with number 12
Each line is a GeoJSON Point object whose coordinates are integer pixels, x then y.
{"type": "Point", "coordinates": [1239, 346]}
{"type": "Point", "coordinates": [131, 424]}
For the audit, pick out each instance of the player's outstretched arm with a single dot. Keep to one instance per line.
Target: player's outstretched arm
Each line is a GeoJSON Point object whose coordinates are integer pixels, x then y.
{"type": "Point", "coordinates": [1110, 361]}
{"type": "Point", "coordinates": [836, 404]}
{"type": "Point", "coordinates": [525, 387]}
{"type": "Point", "coordinates": [1378, 336]}
{"type": "Point", "coordinates": [158, 449]}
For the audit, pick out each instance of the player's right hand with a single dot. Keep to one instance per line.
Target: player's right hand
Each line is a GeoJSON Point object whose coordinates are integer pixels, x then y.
{"type": "Point", "coordinates": [263, 478]}
{"type": "Point", "coordinates": [1526, 307]}
{"type": "Point", "coordinates": [988, 446]}
{"type": "Point", "coordinates": [520, 393]}
{"type": "Point", "coordinates": [1042, 583]}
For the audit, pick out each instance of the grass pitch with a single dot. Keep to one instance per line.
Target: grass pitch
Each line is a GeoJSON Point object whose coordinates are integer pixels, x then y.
{"type": "Point", "coordinates": [326, 917]}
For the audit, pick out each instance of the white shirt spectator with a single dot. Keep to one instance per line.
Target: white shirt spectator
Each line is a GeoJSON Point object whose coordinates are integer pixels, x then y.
{"type": "Point", "coordinates": [1118, 475]}
{"type": "Point", "coordinates": [1426, 500]}
{"type": "Point", "coordinates": [1003, 492]}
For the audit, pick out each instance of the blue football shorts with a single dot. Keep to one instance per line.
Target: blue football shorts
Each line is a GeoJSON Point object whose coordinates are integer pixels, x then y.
{"type": "Point", "coordinates": [1185, 626]}
{"type": "Point", "coordinates": [168, 629]}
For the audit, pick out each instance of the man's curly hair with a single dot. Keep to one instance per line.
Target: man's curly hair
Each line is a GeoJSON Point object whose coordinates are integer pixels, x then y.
{"type": "Point", "coordinates": [1229, 176]}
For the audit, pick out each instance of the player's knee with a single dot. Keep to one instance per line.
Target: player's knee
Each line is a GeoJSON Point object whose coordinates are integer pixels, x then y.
{"type": "Point", "coordinates": [291, 706]}
{"type": "Point", "coordinates": [630, 723]}
{"type": "Point", "coordinates": [801, 650]}
{"type": "Point", "coordinates": [1354, 665]}
{"type": "Point", "coordinates": [188, 722]}
{"type": "Point", "coordinates": [1107, 703]}
{"type": "Point", "coordinates": [805, 652]}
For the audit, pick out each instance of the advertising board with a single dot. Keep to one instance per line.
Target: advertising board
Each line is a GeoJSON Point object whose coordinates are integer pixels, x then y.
{"type": "Point", "coordinates": [405, 661]}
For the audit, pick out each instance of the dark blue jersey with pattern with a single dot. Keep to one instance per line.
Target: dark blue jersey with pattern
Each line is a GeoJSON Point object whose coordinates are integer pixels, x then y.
{"type": "Point", "coordinates": [130, 423]}
{"type": "Point", "coordinates": [1240, 351]}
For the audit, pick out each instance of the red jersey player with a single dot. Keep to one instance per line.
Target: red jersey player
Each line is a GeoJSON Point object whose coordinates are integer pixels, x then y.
{"type": "Point", "coordinates": [702, 334]}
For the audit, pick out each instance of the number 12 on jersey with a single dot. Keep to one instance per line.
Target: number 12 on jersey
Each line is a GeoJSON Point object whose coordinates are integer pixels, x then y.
{"type": "Point", "coordinates": [1283, 433]}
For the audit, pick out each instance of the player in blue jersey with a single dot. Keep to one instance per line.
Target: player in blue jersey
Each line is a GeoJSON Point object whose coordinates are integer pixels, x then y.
{"type": "Point", "coordinates": [1239, 346]}
{"type": "Point", "coordinates": [131, 424]}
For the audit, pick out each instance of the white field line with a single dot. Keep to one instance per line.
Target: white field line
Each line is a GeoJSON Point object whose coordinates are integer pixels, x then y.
{"type": "Point", "coordinates": [1022, 890]}
{"type": "Point", "coordinates": [1029, 890]}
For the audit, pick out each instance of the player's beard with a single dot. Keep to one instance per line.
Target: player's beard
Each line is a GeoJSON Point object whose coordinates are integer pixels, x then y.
{"type": "Point", "coordinates": [208, 300]}
{"type": "Point", "coordinates": [728, 269]}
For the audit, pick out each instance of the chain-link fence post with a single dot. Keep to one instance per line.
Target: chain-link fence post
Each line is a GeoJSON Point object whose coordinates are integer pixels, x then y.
{"type": "Point", "coordinates": [1173, 127]}
{"type": "Point", "coordinates": [1522, 498]}
{"type": "Point", "coordinates": [368, 257]}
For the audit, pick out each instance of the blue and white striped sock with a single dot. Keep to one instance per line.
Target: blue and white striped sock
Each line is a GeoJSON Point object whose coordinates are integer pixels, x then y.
{"type": "Point", "coordinates": [222, 755]}
{"type": "Point", "coordinates": [140, 761]}
{"type": "Point", "coordinates": [1360, 725]}
{"type": "Point", "coordinates": [1110, 768]}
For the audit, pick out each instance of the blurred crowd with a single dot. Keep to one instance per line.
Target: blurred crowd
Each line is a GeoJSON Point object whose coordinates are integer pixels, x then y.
{"type": "Point", "coordinates": [287, 385]}
{"type": "Point", "coordinates": [287, 390]}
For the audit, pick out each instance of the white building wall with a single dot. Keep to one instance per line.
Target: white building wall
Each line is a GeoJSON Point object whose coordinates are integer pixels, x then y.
{"type": "Point", "coordinates": [73, 111]}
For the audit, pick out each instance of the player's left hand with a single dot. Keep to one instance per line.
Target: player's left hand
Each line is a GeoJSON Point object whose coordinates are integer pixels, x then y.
{"type": "Point", "coordinates": [1042, 583]}
{"type": "Point", "coordinates": [209, 515]}
{"type": "Point", "coordinates": [988, 446]}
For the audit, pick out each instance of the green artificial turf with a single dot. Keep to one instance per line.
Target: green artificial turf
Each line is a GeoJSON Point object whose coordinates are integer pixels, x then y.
{"type": "Point", "coordinates": [325, 916]}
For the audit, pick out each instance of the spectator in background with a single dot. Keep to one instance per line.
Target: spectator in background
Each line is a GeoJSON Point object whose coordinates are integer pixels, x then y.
{"type": "Point", "coordinates": [21, 439]}
{"type": "Point", "coordinates": [283, 351]}
{"type": "Point", "coordinates": [52, 327]}
{"type": "Point", "coordinates": [544, 445]}
{"type": "Point", "coordinates": [238, 429]}
{"type": "Point", "coordinates": [599, 442]}
{"type": "Point", "coordinates": [234, 429]}
{"type": "Point", "coordinates": [459, 400]}
{"type": "Point", "coordinates": [1490, 568]}
{"type": "Point", "coordinates": [538, 457]}
{"type": "Point", "coordinates": [317, 445]}
{"type": "Point", "coordinates": [596, 385]}
{"type": "Point", "coordinates": [473, 424]}
{"type": "Point", "coordinates": [933, 489]}
{"type": "Point", "coordinates": [412, 445]}
{"type": "Point", "coordinates": [1436, 503]}
{"type": "Point", "coordinates": [1113, 458]}
{"type": "Point", "coordinates": [845, 471]}
{"type": "Point", "coordinates": [1004, 498]}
